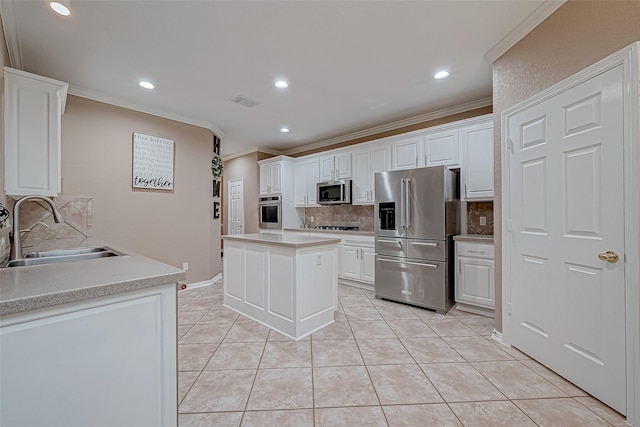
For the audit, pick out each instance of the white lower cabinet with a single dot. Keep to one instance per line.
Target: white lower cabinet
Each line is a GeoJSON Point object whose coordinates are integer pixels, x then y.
{"type": "Point", "coordinates": [109, 361]}
{"type": "Point", "coordinates": [475, 276]}
{"type": "Point", "coordinates": [357, 258]}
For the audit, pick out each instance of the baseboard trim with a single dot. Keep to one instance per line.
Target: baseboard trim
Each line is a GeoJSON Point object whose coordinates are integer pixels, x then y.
{"type": "Point", "coordinates": [205, 282]}
{"type": "Point", "coordinates": [497, 336]}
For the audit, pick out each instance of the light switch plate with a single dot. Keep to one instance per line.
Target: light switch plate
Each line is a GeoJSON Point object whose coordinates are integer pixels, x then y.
{"type": "Point", "coordinates": [483, 220]}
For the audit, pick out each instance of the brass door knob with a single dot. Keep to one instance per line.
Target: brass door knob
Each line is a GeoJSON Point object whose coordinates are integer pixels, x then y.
{"type": "Point", "coordinates": [609, 256]}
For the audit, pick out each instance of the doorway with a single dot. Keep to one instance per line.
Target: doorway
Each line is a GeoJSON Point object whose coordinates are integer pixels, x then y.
{"type": "Point", "coordinates": [236, 206]}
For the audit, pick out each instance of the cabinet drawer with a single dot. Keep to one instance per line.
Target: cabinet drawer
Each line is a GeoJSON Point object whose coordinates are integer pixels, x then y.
{"type": "Point", "coordinates": [427, 249]}
{"type": "Point", "coordinates": [477, 250]}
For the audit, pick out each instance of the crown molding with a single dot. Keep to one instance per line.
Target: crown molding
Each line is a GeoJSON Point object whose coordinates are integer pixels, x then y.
{"type": "Point", "coordinates": [536, 17]}
{"type": "Point", "coordinates": [8, 17]}
{"type": "Point", "coordinates": [484, 102]}
{"type": "Point", "coordinates": [96, 96]}
{"type": "Point", "coordinates": [252, 150]}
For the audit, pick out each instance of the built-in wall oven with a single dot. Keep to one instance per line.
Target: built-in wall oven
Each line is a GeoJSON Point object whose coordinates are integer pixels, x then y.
{"type": "Point", "coordinates": [270, 212]}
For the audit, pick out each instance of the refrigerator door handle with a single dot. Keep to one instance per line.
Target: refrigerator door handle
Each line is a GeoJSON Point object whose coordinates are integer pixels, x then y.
{"type": "Point", "coordinates": [408, 202]}
{"type": "Point", "coordinates": [435, 245]}
{"type": "Point", "coordinates": [402, 203]}
{"type": "Point", "coordinates": [409, 263]}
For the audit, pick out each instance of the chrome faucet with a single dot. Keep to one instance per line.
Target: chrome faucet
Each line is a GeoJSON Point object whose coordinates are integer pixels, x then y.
{"type": "Point", "coordinates": [14, 236]}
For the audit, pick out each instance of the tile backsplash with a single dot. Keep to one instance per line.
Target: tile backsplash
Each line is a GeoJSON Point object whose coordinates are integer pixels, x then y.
{"type": "Point", "coordinates": [362, 216]}
{"type": "Point", "coordinates": [36, 217]}
{"type": "Point", "coordinates": [476, 210]}
{"type": "Point", "coordinates": [347, 215]}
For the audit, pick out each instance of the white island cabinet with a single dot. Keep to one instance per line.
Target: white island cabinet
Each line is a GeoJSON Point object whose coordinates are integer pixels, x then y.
{"type": "Point", "coordinates": [286, 282]}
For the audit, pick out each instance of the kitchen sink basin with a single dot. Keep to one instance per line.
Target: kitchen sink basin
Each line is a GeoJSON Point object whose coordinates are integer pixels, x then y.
{"type": "Point", "coordinates": [64, 252]}
{"type": "Point", "coordinates": [64, 255]}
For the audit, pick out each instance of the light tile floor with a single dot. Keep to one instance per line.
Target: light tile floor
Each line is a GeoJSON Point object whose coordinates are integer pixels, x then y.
{"type": "Point", "coordinates": [379, 364]}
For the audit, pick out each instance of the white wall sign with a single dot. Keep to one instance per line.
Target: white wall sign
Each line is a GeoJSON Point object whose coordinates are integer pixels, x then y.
{"type": "Point", "coordinates": [152, 162]}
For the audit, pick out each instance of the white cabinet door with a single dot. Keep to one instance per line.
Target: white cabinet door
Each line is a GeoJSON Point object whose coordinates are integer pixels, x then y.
{"type": "Point", "coordinates": [313, 171]}
{"type": "Point", "coordinates": [361, 186]}
{"type": "Point", "coordinates": [265, 178]}
{"type": "Point", "coordinates": [306, 177]}
{"type": "Point", "coordinates": [276, 177]}
{"type": "Point", "coordinates": [442, 148]}
{"type": "Point", "coordinates": [477, 170]}
{"type": "Point", "coordinates": [368, 260]}
{"type": "Point", "coordinates": [33, 108]}
{"type": "Point", "coordinates": [350, 262]}
{"type": "Point", "coordinates": [300, 188]}
{"type": "Point", "coordinates": [343, 165]}
{"type": "Point", "coordinates": [380, 162]}
{"type": "Point", "coordinates": [326, 168]}
{"type": "Point", "coordinates": [404, 154]}
{"type": "Point", "coordinates": [476, 281]}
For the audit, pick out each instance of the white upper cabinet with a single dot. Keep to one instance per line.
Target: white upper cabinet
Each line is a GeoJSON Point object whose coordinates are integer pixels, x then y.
{"type": "Point", "coordinates": [270, 177]}
{"type": "Point", "coordinates": [365, 165]}
{"type": "Point", "coordinates": [477, 170]}
{"type": "Point", "coordinates": [337, 166]}
{"type": "Point", "coordinates": [33, 108]}
{"type": "Point", "coordinates": [307, 174]}
{"type": "Point", "coordinates": [442, 148]}
{"type": "Point", "coordinates": [404, 153]}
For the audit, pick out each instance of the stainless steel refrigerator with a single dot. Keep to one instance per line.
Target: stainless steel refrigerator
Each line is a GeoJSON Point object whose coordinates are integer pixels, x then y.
{"type": "Point", "coordinates": [416, 214]}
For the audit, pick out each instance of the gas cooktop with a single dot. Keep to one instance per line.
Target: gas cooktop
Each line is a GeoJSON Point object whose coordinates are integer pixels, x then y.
{"type": "Point", "coordinates": [337, 227]}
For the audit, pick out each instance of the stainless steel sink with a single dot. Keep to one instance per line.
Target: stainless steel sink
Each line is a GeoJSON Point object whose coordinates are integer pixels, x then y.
{"type": "Point", "coordinates": [64, 252]}
{"type": "Point", "coordinates": [64, 255]}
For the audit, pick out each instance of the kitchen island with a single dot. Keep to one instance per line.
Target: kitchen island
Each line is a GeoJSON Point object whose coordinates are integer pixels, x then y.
{"type": "Point", "coordinates": [286, 282]}
{"type": "Point", "coordinates": [90, 342]}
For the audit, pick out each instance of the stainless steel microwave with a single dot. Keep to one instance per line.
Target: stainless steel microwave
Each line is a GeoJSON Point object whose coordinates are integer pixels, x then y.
{"type": "Point", "coordinates": [334, 192]}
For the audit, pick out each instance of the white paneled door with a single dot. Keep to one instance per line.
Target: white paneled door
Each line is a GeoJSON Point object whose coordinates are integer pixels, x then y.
{"type": "Point", "coordinates": [236, 206]}
{"type": "Point", "coordinates": [567, 226]}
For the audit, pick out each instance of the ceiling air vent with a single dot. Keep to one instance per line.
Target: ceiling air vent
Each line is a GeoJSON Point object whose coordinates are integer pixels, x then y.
{"type": "Point", "coordinates": [245, 101]}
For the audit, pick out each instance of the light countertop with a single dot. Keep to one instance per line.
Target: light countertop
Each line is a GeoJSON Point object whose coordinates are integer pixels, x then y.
{"type": "Point", "coordinates": [319, 230]}
{"type": "Point", "coordinates": [479, 238]}
{"type": "Point", "coordinates": [40, 286]}
{"type": "Point", "coordinates": [287, 240]}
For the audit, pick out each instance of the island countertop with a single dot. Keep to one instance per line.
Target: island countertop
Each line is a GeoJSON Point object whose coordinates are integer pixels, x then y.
{"type": "Point", "coordinates": [287, 240]}
{"type": "Point", "coordinates": [40, 286]}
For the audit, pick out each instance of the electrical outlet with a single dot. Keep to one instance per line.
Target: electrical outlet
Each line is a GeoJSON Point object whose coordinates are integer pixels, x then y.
{"type": "Point", "coordinates": [483, 220]}
{"type": "Point", "coordinates": [185, 266]}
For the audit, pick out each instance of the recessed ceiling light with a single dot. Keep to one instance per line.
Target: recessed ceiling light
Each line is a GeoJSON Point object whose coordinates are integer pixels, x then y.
{"type": "Point", "coordinates": [146, 85]}
{"type": "Point", "coordinates": [281, 84]}
{"type": "Point", "coordinates": [441, 75]}
{"type": "Point", "coordinates": [284, 130]}
{"type": "Point", "coordinates": [60, 7]}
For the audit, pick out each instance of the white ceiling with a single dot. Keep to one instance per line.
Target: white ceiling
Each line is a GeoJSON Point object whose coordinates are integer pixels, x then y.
{"type": "Point", "coordinates": [351, 65]}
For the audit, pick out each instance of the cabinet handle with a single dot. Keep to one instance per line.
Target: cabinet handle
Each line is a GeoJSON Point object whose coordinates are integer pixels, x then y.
{"type": "Point", "coordinates": [475, 252]}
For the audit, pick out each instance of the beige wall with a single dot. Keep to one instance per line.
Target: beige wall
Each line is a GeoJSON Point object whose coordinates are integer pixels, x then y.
{"type": "Point", "coordinates": [172, 227]}
{"type": "Point", "coordinates": [577, 35]}
{"type": "Point", "coordinates": [245, 167]}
